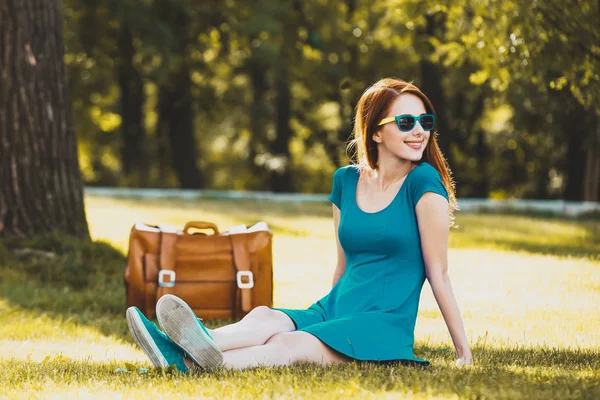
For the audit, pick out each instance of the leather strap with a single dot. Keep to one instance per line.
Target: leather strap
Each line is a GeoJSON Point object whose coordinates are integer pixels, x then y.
{"type": "Point", "coordinates": [167, 251]}
{"type": "Point", "coordinates": [241, 262]}
{"type": "Point", "coordinates": [168, 243]}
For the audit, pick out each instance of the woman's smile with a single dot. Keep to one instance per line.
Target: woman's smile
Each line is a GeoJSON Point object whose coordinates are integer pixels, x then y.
{"type": "Point", "coordinates": [414, 144]}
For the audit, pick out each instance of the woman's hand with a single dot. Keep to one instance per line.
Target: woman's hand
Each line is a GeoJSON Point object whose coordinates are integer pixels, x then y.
{"type": "Point", "coordinates": [466, 360]}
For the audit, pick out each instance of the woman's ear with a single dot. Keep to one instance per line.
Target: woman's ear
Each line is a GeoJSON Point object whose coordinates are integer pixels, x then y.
{"type": "Point", "coordinates": [377, 136]}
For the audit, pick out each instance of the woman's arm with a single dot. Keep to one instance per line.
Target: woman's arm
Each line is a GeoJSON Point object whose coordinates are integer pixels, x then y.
{"type": "Point", "coordinates": [434, 226]}
{"type": "Point", "coordinates": [341, 257]}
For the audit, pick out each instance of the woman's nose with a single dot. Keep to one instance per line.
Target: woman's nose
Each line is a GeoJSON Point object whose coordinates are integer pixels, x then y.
{"type": "Point", "coordinates": [418, 129]}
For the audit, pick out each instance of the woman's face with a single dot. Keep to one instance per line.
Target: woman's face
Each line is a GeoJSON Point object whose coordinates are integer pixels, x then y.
{"type": "Point", "coordinates": [405, 145]}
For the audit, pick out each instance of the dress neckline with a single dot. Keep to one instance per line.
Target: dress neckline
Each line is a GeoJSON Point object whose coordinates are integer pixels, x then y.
{"type": "Point", "coordinates": [358, 170]}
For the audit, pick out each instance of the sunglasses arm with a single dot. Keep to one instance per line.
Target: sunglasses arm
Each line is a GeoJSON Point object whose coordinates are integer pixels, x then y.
{"type": "Point", "coordinates": [386, 120]}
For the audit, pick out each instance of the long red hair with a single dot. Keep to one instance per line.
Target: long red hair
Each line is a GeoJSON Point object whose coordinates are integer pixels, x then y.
{"type": "Point", "coordinates": [372, 107]}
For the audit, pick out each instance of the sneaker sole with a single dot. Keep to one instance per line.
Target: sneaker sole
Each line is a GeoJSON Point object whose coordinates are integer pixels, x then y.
{"type": "Point", "coordinates": [143, 339]}
{"type": "Point", "coordinates": [179, 322]}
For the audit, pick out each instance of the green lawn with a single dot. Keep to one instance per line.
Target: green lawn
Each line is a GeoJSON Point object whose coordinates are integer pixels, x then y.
{"type": "Point", "coordinates": [528, 289]}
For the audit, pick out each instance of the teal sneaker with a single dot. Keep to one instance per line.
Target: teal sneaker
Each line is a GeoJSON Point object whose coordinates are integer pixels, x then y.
{"type": "Point", "coordinates": [179, 322]}
{"type": "Point", "coordinates": [161, 350]}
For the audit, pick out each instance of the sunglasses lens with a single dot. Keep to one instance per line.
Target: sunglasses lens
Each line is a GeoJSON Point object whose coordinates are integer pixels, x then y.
{"type": "Point", "coordinates": [427, 122]}
{"type": "Point", "coordinates": [406, 123]}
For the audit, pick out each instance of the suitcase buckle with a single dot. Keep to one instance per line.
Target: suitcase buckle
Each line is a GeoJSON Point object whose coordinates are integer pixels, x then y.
{"type": "Point", "coordinates": [161, 278]}
{"type": "Point", "coordinates": [247, 285]}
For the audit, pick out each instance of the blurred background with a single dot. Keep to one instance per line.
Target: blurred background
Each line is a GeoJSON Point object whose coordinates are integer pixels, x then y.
{"type": "Point", "coordinates": [260, 95]}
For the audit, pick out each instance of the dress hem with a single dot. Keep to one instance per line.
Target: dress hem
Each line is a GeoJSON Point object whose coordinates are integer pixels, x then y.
{"type": "Point", "coordinates": [306, 328]}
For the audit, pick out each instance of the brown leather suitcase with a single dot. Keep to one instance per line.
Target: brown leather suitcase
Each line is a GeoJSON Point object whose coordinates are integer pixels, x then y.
{"type": "Point", "coordinates": [220, 275]}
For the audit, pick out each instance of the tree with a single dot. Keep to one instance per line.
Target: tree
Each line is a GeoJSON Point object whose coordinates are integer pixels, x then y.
{"type": "Point", "coordinates": [133, 157]}
{"type": "Point", "coordinates": [552, 45]}
{"type": "Point", "coordinates": [40, 184]}
{"type": "Point", "coordinates": [175, 104]}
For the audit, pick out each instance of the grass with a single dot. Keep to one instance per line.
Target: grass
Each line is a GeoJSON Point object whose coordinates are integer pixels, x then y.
{"type": "Point", "coordinates": [528, 289]}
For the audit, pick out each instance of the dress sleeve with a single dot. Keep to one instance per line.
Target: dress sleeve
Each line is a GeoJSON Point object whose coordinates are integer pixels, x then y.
{"type": "Point", "coordinates": [336, 191]}
{"type": "Point", "coordinates": [427, 179]}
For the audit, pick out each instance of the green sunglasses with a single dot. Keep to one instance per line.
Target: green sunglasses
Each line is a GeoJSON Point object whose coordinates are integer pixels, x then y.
{"type": "Point", "coordinates": [406, 122]}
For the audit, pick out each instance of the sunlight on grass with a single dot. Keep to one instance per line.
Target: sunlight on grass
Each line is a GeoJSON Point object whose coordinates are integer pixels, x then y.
{"type": "Point", "coordinates": [543, 374]}
{"type": "Point", "coordinates": [504, 295]}
{"type": "Point", "coordinates": [508, 298]}
{"type": "Point", "coordinates": [27, 335]}
{"type": "Point", "coordinates": [528, 289]}
{"type": "Point", "coordinates": [112, 219]}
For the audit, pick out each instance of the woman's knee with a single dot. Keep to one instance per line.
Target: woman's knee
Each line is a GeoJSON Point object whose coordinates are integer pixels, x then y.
{"type": "Point", "coordinates": [275, 318]}
{"type": "Point", "coordinates": [260, 312]}
{"type": "Point", "coordinates": [302, 346]}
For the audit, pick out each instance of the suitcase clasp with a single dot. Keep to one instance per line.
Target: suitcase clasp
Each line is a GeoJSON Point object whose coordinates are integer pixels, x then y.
{"type": "Point", "coordinates": [161, 278]}
{"type": "Point", "coordinates": [246, 285]}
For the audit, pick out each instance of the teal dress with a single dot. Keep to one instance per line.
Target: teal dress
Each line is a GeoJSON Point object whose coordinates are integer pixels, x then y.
{"type": "Point", "coordinates": [371, 311]}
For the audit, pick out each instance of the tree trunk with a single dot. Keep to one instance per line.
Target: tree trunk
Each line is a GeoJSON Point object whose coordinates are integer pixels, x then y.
{"type": "Point", "coordinates": [431, 85]}
{"type": "Point", "coordinates": [347, 107]}
{"type": "Point", "coordinates": [133, 160]}
{"type": "Point", "coordinates": [591, 180]}
{"type": "Point", "coordinates": [347, 131]}
{"type": "Point", "coordinates": [575, 169]}
{"type": "Point", "coordinates": [175, 100]}
{"type": "Point", "coordinates": [258, 114]}
{"type": "Point", "coordinates": [41, 188]}
{"type": "Point", "coordinates": [481, 186]}
{"type": "Point", "coordinates": [177, 117]}
{"type": "Point", "coordinates": [482, 151]}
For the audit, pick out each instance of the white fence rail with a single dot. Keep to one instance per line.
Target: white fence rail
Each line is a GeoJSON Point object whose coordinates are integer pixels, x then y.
{"type": "Point", "coordinates": [556, 207]}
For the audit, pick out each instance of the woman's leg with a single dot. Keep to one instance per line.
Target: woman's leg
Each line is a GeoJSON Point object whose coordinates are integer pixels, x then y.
{"type": "Point", "coordinates": [283, 349]}
{"type": "Point", "coordinates": [263, 337]}
{"type": "Point", "coordinates": [258, 326]}
{"type": "Point", "coordinates": [206, 347]}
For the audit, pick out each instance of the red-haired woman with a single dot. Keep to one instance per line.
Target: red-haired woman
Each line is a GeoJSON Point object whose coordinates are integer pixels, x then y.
{"type": "Point", "coordinates": [391, 212]}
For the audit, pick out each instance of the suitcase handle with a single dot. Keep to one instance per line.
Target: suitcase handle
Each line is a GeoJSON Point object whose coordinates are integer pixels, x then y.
{"type": "Point", "coordinates": [200, 225]}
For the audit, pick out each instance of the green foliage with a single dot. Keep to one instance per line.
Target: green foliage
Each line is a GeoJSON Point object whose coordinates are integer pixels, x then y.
{"type": "Point", "coordinates": [503, 73]}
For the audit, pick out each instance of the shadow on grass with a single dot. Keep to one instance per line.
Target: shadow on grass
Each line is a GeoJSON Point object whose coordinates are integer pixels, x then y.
{"type": "Point", "coordinates": [68, 279]}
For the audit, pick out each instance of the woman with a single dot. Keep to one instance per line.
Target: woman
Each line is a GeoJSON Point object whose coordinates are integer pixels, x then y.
{"type": "Point", "coordinates": [392, 212]}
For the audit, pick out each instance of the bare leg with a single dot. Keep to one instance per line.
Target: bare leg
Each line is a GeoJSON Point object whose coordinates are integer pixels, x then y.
{"type": "Point", "coordinates": [283, 349]}
{"type": "Point", "coordinates": [254, 329]}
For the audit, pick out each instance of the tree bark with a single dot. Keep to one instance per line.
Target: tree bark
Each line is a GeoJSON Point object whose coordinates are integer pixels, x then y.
{"type": "Point", "coordinates": [41, 188]}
